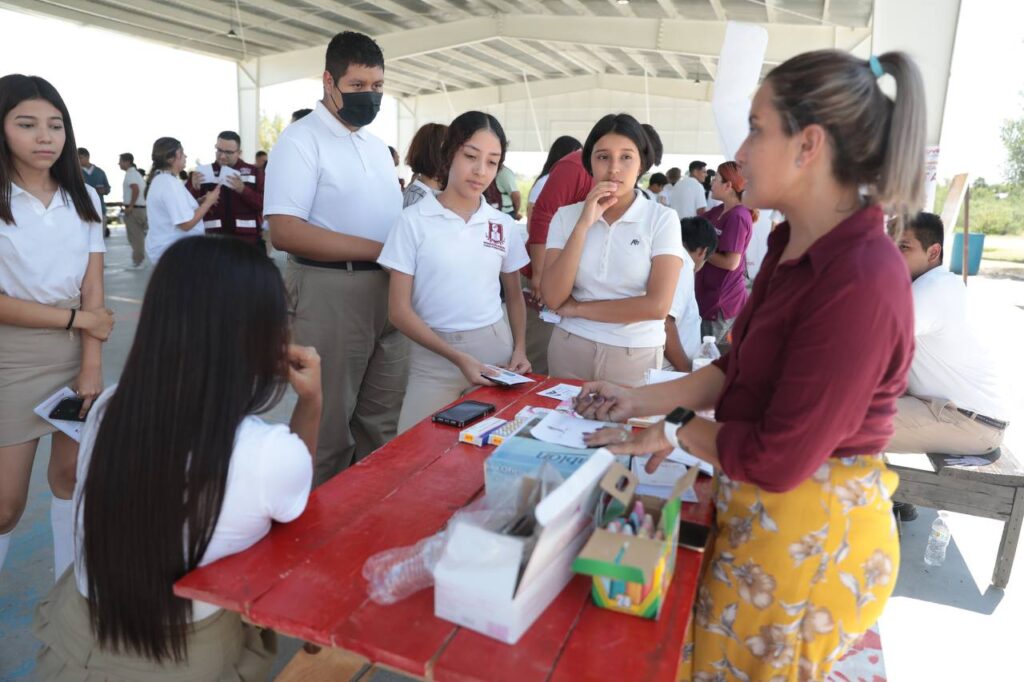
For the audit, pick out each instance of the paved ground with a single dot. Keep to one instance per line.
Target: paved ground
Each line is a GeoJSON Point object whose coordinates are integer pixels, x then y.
{"type": "Point", "coordinates": [935, 611]}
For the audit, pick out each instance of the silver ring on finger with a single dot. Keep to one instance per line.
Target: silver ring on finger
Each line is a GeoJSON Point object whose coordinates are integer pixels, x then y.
{"type": "Point", "coordinates": [623, 437]}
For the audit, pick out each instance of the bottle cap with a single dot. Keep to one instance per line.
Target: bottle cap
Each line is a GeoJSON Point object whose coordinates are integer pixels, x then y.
{"type": "Point", "coordinates": [708, 339]}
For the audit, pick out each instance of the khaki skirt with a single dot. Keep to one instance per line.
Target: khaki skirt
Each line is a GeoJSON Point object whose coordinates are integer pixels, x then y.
{"type": "Point", "coordinates": [34, 364]}
{"type": "Point", "coordinates": [220, 647]}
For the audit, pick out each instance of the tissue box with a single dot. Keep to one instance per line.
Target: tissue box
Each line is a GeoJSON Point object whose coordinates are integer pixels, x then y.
{"type": "Point", "coordinates": [486, 582]}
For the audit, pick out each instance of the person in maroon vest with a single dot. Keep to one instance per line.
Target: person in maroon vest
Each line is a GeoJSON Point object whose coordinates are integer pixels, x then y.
{"type": "Point", "coordinates": [239, 213]}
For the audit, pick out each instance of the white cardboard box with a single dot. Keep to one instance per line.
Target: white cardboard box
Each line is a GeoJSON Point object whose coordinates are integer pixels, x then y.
{"type": "Point", "coordinates": [477, 582]}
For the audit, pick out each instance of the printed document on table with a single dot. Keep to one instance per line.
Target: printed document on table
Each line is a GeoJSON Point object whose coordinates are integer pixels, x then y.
{"type": "Point", "coordinates": [561, 392]}
{"type": "Point", "coordinates": [564, 429]}
{"type": "Point", "coordinates": [72, 428]}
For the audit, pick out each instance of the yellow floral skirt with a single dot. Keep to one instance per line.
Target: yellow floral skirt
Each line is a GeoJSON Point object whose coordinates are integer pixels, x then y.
{"type": "Point", "coordinates": [794, 578]}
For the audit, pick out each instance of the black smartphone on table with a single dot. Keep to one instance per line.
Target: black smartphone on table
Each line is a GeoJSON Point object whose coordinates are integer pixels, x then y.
{"type": "Point", "coordinates": [68, 410]}
{"type": "Point", "coordinates": [463, 413]}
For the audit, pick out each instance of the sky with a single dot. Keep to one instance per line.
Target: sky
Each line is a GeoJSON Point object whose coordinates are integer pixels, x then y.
{"type": "Point", "coordinates": [129, 91]}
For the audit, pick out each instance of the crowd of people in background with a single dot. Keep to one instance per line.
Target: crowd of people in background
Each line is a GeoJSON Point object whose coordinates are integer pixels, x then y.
{"type": "Point", "coordinates": [397, 300]}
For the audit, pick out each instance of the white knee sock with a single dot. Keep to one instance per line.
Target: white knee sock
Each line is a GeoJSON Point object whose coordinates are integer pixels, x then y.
{"type": "Point", "coordinates": [62, 521]}
{"type": "Point", "coordinates": [5, 542]}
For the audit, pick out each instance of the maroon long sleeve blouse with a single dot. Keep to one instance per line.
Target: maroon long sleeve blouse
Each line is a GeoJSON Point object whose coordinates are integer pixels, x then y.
{"type": "Point", "coordinates": [820, 354]}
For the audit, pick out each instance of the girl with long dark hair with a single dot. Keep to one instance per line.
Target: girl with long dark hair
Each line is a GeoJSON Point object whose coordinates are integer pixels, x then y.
{"type": "Point", "coordinates": [612, 263]}
{"type": "Point", "coordinates": [448, 259]}
{"type": "Point", "coordinates": [176, 471]}
{"type": "Point", "coordinates": [566, 144]}
{"type": "Point", "coordinates": [52, 317]}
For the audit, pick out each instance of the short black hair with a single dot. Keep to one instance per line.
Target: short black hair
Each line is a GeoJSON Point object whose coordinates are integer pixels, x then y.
{"type": "Point", "coordinates": [627, 126]}
{"type": "Point", "coordinates": [697, 166]}
{"type": "Point", "coordinates": [82, 151]}
{"type": "Point", "coordinates": [350, 47]}
{"type": "Point", "coordinates": [698, 232]}
{"type": "Point", "coordinates": [300, 114]}
{"type": "Point", "coordinates": [658, 179]}
{"type": "Point", "coordinates": [260, 153]}
{"type": "Point", "coordinates": [129, 157]}
{"type": "Point", "coordinates": [928, 229]}
{"type": "Point", "coordinates": [656, 144]}
{"type": "Point", "coordinates": [230, 135]}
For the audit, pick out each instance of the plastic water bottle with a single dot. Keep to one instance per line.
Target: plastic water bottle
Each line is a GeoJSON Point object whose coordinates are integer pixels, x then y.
{"type": "Point", "coordinates": [395, 574]}
{"type": "Point", "coordinates": [707, 353]}
{"type": "Point", "coordinates": [938, 541]}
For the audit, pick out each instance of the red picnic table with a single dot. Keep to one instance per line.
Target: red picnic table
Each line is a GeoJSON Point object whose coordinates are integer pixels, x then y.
{"type": "Point", "coordinates": [304, 579]}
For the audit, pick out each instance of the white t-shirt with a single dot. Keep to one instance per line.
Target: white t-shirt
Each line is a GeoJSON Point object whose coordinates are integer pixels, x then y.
{"type": "Point", "coordinates": [132, 176]}
{"type": "Point", "coordinates": [616, 263]}
{"type": "Point", "coordinates": [951, 362]}
{"type": "Point", "coordinates": [269, 479]}
{"type": "Point", "coordinates": [168, 205]}
{"type": "Point", "coordinates": [536, 189]}
{"type": "Point", "coordinates": [684, 309]}
{"type": "Point", "coordinates": [456, 264]}
{"type": "Point", "coordinates": [45, 252]}
{"type": "Point", "coordinates": [688, 196]}
{"type": "Point", "coordinates": [331, 177]}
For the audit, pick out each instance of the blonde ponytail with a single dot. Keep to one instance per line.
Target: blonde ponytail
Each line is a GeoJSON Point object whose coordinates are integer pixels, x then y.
{"type": "Point", "coordinates": [900, 185]}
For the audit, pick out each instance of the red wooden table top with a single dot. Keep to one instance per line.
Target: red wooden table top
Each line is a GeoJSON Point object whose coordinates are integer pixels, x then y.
{"type": "Point", "coordinates": [304, 579]}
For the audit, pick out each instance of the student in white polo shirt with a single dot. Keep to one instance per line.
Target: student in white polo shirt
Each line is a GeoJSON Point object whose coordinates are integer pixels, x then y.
{"type": "Point", "coordinates": [134, 192]}
{"type": "Point", "coordinates": [445, 256]}
{"type": "Point", "coordinates": [611, 265]}
{"type": "Point", "coordinates": [52, 315]}
{"type": "Point", "coordinates": [173, 213]}
{"type": "Point", "coordinates": [689, 197]}
{"type": "Point", "coordinates": [331, 199]}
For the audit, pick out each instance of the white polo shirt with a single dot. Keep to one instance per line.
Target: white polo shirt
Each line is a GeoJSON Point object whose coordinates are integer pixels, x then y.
{"type": "Point", "coordinates": [688, 196]}
{"type": "Point", "coordinates": [333, 178]}
{"type": "Point", "coordinates": [269, 478]}
{"type": "Point", "coordinates": [168, 205]}
{"type": "Point", "coordinates": [132, 176]}
{"type": "Point", "coordinates": [456, 264]}
{"type": "Point", "coordinates": [951, 361]}
{"type": "Point", "coordinates": [684, 309]}
{"type": "Point", "coordinates": [44, 254]}
{"type": "Point", "coordinates": [616, 263]}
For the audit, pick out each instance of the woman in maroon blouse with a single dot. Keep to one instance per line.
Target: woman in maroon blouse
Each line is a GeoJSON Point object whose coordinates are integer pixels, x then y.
{"type": "Point", "coordinates": [806, 551]}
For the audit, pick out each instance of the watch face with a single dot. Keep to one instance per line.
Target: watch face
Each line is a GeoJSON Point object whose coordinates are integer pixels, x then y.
{"type": "Point", "coordinates": [680, 415]}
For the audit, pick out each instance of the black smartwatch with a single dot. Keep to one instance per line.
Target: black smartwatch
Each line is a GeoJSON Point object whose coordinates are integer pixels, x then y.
{"type": "Point", "coordinates": [675, 420]}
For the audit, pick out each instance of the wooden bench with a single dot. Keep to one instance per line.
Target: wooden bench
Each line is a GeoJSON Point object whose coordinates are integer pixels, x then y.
{"type": "Point", "coordinates": [995, 491]}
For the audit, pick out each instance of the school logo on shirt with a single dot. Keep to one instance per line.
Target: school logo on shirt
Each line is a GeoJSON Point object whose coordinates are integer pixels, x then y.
{"type": "Point", "coordinates": [495, 238]}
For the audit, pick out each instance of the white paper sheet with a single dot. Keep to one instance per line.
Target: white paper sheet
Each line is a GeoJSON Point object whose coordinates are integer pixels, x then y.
{"type": "Point", "coordinates": [564, 429]}
{"type": "Point", "coordinates": [71, 428]}
{"type": "Point", "coordinates": [209, 177]}
{"type": "Point", "coordinates": [661, 482]}
{"type": "Point", "coordinates": [508, 377]}
{"type": "Point", "coordinates": [660, 376]}
{"type": "Point", "coordinates": [550, 316]}
{"type": "Point", "coordinates": [683, 457]}
{"type": "Point", "coordinates": [561, 392]}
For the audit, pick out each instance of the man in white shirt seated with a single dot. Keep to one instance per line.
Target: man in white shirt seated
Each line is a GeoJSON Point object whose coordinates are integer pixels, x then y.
{"type": "Point", "coordinates": [688, 197]}
{"type": "Point", "coordinates": [682, 326]}
{"type": "Point", "coordinates": [955, 402]}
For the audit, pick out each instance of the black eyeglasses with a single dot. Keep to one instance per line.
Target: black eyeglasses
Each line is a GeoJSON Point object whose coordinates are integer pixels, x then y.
{"type": "Point", "coordinates": [226, 152]}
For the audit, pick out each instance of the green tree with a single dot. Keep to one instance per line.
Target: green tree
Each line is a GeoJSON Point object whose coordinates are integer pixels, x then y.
{"type": "Point", "coordinates": [1013, 138]}
{"type": "Point", "coordinates": [269, 130]}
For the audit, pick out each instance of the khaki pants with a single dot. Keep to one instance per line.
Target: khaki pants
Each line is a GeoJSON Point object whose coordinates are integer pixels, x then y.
{"type": "Point", "coordinates": [933, 425]}
{"type": "Point", "coordinates": [434, 381]}
{"type": "Point", "coordinates": [364, 360]}
{"type": "Point", "coordinates": [137, 226]}
{"type": "Point", "coordinates": [573, 357]}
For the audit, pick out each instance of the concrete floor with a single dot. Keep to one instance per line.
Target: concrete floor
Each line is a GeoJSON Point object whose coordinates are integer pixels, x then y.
{"type": "Point", "coordinates": [933, 612]}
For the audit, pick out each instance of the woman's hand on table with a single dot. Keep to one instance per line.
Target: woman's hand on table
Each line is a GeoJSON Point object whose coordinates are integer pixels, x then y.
{"type": "Point", "coordinates": [605, 401]}
{"type": "Point", "coordinates": [650, 441]}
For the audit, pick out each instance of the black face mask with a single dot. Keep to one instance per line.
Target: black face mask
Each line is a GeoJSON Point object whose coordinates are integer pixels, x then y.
{"type": "Point", "coordinates": [359, 108]}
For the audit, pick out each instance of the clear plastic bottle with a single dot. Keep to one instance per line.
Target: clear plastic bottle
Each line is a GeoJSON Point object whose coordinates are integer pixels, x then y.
{"type": "Point", "coordinates": [708, 352]}
{"type": "Point", "coordinates": [398, 573]}
{"type": "Point", "coordinates": [938, 541]}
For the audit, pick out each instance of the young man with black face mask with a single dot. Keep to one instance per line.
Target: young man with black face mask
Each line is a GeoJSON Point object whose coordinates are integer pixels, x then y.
{"type": "Point", "coordinates": [331, 199]}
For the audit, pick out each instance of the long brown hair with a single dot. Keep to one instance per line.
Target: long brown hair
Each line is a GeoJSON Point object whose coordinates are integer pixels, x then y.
{"type": "Point", "coordinates": [877, 142]}
{"type": "Point", "coordinates": [164, 151]}
{"type": "Point", "coordinates": [15, 88]}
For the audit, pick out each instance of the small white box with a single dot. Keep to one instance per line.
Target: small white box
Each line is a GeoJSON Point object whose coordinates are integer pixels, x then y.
{"type": "Point", "coordinates": [477, 581]}
{"type": "Point", "coordinates": [477, 433]}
